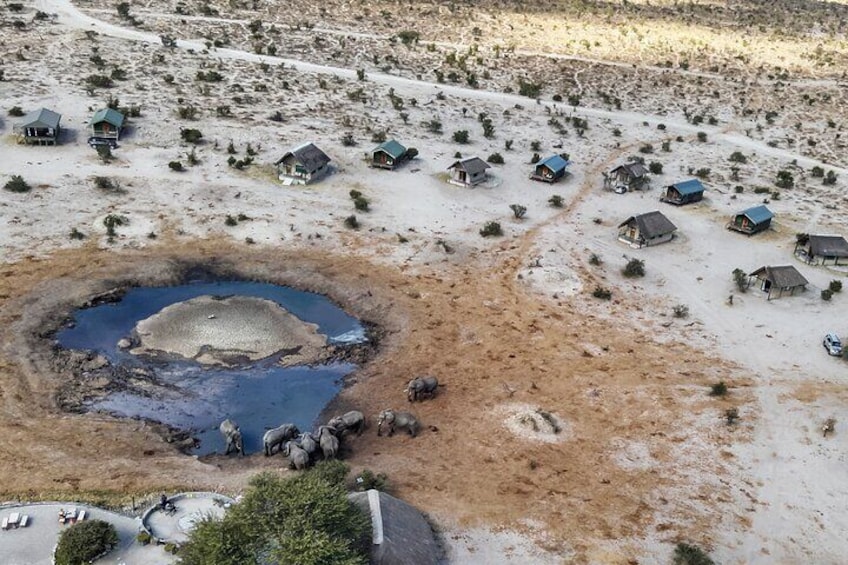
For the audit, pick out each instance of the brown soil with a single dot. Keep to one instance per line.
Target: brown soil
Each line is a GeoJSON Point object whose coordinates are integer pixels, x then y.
{"type": "Point", "coordinates": [485, 337]}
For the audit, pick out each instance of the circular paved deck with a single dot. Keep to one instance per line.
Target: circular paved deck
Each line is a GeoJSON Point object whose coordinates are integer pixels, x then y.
{"type": "Point", "coordinates": [191, 508]}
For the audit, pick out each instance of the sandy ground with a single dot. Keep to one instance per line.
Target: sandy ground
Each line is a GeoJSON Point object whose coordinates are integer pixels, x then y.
{"type": "Point", "coordinates": [645, 459]}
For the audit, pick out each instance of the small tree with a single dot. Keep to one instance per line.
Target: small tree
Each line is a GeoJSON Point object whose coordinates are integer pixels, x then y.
{"type": "Point", "coordinates": [826, 294]}
{"type": "Point", "coordinates": [17, 184]}
{"type": "Point", "coordinates": [518, 210]}
{"type": "Point", "coordinates": [835, 286]}
{"type": "Point", "coordinates": [460, 136]}
{"type": "Point", "coordinates": [361, 203]}
{"type": "Point", "coordinates": [784, 179]}
{"type": "Point", "coordinates": [655, 168]}
{"type": "Point", "coordinates": [191, 135]}
{"type": "Point", "coordinates": [718, 389]}
{"type": "Point", "coordinates": [351, 222]}
{"type": "Point", "coordinates": [176, 166]}
{"type": "Point", "coordinates": [634, 268]}
{"type": "Point", "coordinates": [84, 541]}
{"type": "Point", "coordinates": [556, 201]}
{"type": "Point", "coordinates": [685, 554]}
{"type": "Point", "coordinates": [16, 111]}
{"type": "Point", "coordinates": [491, 229]}
{"type": "Point", "coordinates": [741, 280]}
{"type": "Point", "coordinates": [495, 158]}
{"type": "Point", "coordinates": [738, 157]}
{"type": "Point", "coordinates": [731, 415]}
{"type": "Point", "coordinates": [104, 152]}
{"type": "Point", "coordinates": [602, 293]}
{"type": "Point", "coordinates": [680, 311]}
{"type": "Point", "coordinates": [702, 136]}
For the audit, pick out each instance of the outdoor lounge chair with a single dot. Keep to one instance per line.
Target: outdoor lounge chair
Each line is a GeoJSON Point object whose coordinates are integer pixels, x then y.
{"type": "Point", "coordinates": [5, 524]}
{"type": "Point", "coordinates": [24, 521]}
{"type": "Point", "coordinates": [81, 516]}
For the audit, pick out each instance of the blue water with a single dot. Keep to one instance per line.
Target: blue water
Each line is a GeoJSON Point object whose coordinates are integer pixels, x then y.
{"type": "Point", "coordinates": [258, 396]}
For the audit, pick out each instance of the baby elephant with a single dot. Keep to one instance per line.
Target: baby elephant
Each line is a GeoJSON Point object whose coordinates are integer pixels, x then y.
{"type": "Point", "coordinates": [402, 420]}
{"type": "Point", "coordinates": [276, 437]}
{"type": "Point", "coordinates": [353, 421]}
{"type": "Point", "coordinates": [421, 387]}
{"type": "Point", "coordinates": [298, 458]}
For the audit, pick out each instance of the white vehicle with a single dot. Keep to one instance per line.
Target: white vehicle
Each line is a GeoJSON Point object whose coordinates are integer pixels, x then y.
{"type": "Point", "coordinates": [620, 189]}
{"type": "Point", "coordinates": [832, 344]}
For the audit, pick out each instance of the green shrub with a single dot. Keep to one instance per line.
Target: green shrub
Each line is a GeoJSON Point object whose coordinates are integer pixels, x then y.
{"type": "Point", "coordinates": [702, 136]}
{"type": "Point", "coordinates": [655, 168]}
{"type": "Point", "coordinates": [460, 136]}
{"type": "Point", "coordinates": [303, 519]}
{"type": "Point", "coordinates": [17, 184]}
{"type": "Point", "coordinates": [835, 286]}
{"type": "Point", "coordinates": [84, 541]}
{"type": "Point", "coordinates": [99, 81]}
{"type": "Point", "coordinates": [360, 203]}
{"type": "Point", "coordinates": [496, 158]}
{"type": "Point", "coordinates": [718, 389]}
{"type": "Point", "coordinates": [76, 234]}
{"type": "Point", "coordinates": [16, 111]}
{"type": "Point", "coordinates": [191, 135]}
{"type": "Point", "coordinates": [143, 538]}
{"type": "Point", "coordinates": [367, 480]}
{"type": "Point", "coordinates": [740, 278]}
{"type": "Point", "coordinates": [171, 548]}
{"type": "Point", "coordinates": [817, 172]}
{"type": "Point", "coordinates": [602, 293]}
{"type": "Point", "coordinates": [230, 221]}
{"type": "Point", "coordinates": [595, 260]}
{"type": "Point", "coordinates": [680, 311]}
{"type": "Point", "coordinates": [529, 89]}
{"type": "Point", "coordinates": [556, 201]}
{"type": "Point", "coordinates": [784, 179]}
{"type": "Point", "coordinates": [829, 179]}
{"type": "Point", "coordinates": [518, 210]}
{"type": "Point", "coordinates": [351, 222]}
{"type": "Point", "coordinates": [647, 148]}
{"type": "Point", "coordinates": [685, 554]}
{"type": "Point", "coordinates": [738, 157]}
{"type": "Point", "coordinates": [634, 268]}
{"type": "Point", "coordinates": [176, 166]}
{"type": "Point", "coordinates": [826, 294]}
{"type": "Point", "coordinates": [703, 172]}
{"type": "Point", "coordinates": [491, 229]}
{"type": "Point", "coordinates": [731, 415]}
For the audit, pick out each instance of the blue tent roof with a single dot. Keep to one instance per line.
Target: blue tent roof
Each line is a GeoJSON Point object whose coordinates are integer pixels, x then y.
{"type": "Point", "coordinates": [757, 214]}
{"type": "Point", "coordinates": [688, 187]}
{"type": "Point", "coordinates": [555, 163]}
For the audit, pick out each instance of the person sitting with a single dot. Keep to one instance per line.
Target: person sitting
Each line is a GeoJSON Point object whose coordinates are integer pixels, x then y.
{"type": "Point", "coordinates": [163, 502]}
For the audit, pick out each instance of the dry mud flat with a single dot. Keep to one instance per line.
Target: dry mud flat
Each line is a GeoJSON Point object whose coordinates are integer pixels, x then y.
{"type": "Point", "coordinates": [491, 343]}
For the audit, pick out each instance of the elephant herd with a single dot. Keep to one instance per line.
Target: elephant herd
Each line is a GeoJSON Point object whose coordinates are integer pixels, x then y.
{"type": "Point", "coordinates": [302, 448]}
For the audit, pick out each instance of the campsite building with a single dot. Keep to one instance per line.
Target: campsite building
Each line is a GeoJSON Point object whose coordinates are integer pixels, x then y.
{"type": "Point", "coordinates": [469, 172]}
{"type": "Point", "coordinates": [822, 249]}
{"type": "Point", "coordinates": [751, 221]}
{"type": "Point", "coordinates": [685, 192]}
{"type": "Point", "coordinates": [388, 155]}
{"type": "Point", "coordinates": [302, 165]}
{"type": "Point", "coordinates": [648, 229]}
{"type": "Point", "coordinates": [40, 127]}
{"type": "Point", "coordinates": [550, 169]}
{"type": "Point", "coordinates": [632, 176]}
{"type": "Point", "coordinates": [106, 126]}
{"type": "Point", "coordinates": [779, 280]}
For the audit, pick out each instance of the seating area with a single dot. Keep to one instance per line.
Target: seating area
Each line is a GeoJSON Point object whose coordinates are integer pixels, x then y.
{"type": "Point", "coordinates": [14, 520]}
{"type": "Point", "coordinates": [71, 516]}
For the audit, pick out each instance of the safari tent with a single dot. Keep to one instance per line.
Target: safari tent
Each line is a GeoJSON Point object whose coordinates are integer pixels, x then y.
{"type": "Point", "coordinates": [751, 221]}
{"type": "Point", "coordinates": [685, 192]}
{"type": "Point", "coordinates": [40, 127]}
{"type": "Point", "coordinates": [400, 534]}
{"type": "Point", "coordinates": [778, 280]}
{"type": "Point", "coordinates": [303, 164]}
{"type": "Point", "coordinates": [388, 155]}
{"type": "Point", "coordinates": [550, 169]}
{"type": "Point", "coordinates": [648, 229]}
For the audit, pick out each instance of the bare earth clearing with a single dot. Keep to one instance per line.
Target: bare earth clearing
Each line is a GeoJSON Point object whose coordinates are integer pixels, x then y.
{"type": "Point", "coordinates": [643, 458]}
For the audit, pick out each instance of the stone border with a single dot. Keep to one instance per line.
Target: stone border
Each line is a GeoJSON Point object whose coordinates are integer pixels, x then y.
{"type": "Point", "coordinates": [178, 496]}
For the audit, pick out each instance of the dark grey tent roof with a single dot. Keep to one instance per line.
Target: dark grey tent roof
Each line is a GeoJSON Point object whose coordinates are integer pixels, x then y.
{"type": "Point", "coordinates": [828, 246]}
{"type": "Point", "coordinates": [42, 118]}
{"type": "Point", "coordinates": [652, 224]}
{"type": "Point", "coordinates": [401, 534]}
{"type": "Point", "coordinates": [472, 166]}
{"type": "Point", "coordinates": [784, 276]}
{"type": "Point", "coordinates": [635, 170]}
{"type": "Point", "coordinates": [307, 155]}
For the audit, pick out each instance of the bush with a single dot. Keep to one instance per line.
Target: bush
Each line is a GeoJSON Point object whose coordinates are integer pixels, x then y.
{"type": "Point", "coordinates": [829, 179]}
{"type": "Point", "coordinates": [176, 166]}
{"type": "Point", "coordinates": [99, 81]}
{"type": "Point", "coordinates": [817, 172]}
{"type": "Point", "coordinates": [595, 259]}
{"type": "Point", "coordinates": [835, 286]}
{"type": "Point", "coordinates": [784, 179]}
{"type": "Point", "coordinates": [685, 554]}
{"type": "Point", "coordinates": [17, 184]}
{"type": "Point", "coordinates": [738, 157]}
{"type": "Point", "coordinates": [367, 479]}
{"type": "Point", "coordinates": [460, 136]}
{"type": "Point", "coordinates": [647, 148]}
{"type": "Point", "coordinates": [191, 135]}
{"type": "Point", "coordinates": [556, 201]}
{"type": "Point", "coordinates": [518, 210]}
{"type": "Point", "coordinates": [76, 234]}
{"type": "Point", "coordinates": [16, 111]}
{"type": "Point", "coordinates": [496, 158]}
{"type": "Point", "coordinates": [602, 293]}
{"type": "Point", "coordinates": [702, 136]}
{"type": "Point", "coordinates": [304, 519]}
{"type": "Point", "coordinates": [680, 311]}
{"type": "Point", "coordinates": [360, 203]}
{"type": "Point", "coordinates": [718, 389]}
{"type": "Point", "coordinates": [491, 229]}
{"type": "Point", "coordinates": [84, 541]}
{"type": "Point", "coordinates": [351, 222]}
{"type": "Point", "coordinates": [741, 280]}
{"type": "Point", "coordinates": [230, 221]}
{"type": "Point", "coordinates": [348, 140]}
{"type": "Point", "coordinates": [826, 294]}
{"type": "Point", "coordinates": [143, 538]}
{"type": "Point", "coordinates": [655, 168]}
{"type": "Point", "coordinates": [634, 268]}
{"type": "Point", "coordinates": [529, 89]}
{"type": "Point", "coordinates": [731, 415]}
{"type": "Point", "coordinates": [703, 172]}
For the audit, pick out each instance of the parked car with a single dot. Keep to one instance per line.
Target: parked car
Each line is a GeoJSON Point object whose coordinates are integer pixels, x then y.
{"type": "Point", "coordinates": [832, 344]}
{"type": "Point", "coordinates": [620, 189]}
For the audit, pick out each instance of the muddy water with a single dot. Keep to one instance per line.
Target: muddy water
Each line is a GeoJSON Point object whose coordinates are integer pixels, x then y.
{"type": "Point", "coordinates": [257, 396]}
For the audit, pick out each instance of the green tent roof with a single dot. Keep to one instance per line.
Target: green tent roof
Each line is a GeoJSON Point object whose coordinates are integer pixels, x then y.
{"type": "Point", "coordinates": [41, 118]}
{"type": "Point", "coordinates": [108, 115]}
{"type": "Point", "coordinates": [392, 147]}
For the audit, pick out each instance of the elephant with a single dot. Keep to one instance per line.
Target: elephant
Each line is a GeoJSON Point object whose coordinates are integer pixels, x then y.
{"type": "Point", "coordinates": [298, 458]}
{"type": "Point", "coordinates": [419, 387]}
{"type": "Point", "coordinates": [308, 443]}
{"type": "Point", "coordinates": [277, 436]}
{"type": "Point", "coordinates": [353, 420]}
{"type": "Point", "coordinates": [329, 442]}
{"type": "Point", "coordinates": [398, 420]}
{"type": "Point", "coordinates": [232, 435]}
